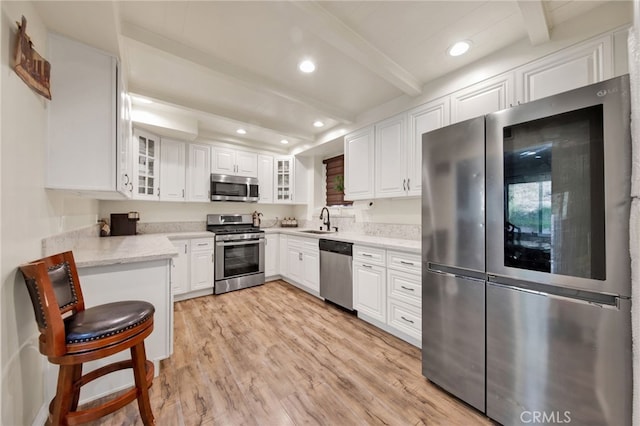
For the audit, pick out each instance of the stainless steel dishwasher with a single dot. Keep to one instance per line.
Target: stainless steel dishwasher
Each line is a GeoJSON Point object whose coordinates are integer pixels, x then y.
{"type": "Point", "coordinates": [336, 281]}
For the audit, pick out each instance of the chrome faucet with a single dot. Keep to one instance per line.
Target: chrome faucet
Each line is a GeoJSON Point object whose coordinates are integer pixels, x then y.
{"type": "Point", "coordinates": [326, 222]}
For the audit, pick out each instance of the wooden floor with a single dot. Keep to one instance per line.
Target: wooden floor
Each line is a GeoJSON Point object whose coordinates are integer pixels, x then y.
{"type": "Point", "coordinates": [275, 355]}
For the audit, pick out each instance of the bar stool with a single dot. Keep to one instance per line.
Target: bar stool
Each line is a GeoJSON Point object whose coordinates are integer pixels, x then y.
{"type": "Point", "coordinates": [71, 335]}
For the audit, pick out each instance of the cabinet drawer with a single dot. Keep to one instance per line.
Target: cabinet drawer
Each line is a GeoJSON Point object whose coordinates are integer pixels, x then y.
{"type": "Point", "coordinates": [405, 318]}
{"type": "Point", "coordinates": [307, 245]}
{"type": "Point", "coordinates": [369, 255]}
{"type": "Point", "coordinates": [202, 244]}
{"type": "Point", "coordinates": [408, 262]}
{"type": "Point", "coordinates": [404, 286]}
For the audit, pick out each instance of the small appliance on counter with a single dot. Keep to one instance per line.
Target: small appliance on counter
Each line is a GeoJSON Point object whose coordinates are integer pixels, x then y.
{"type": "Point", "coordinates": [256, 218]}
{"type": "Point", "coordinates": [124, 223]}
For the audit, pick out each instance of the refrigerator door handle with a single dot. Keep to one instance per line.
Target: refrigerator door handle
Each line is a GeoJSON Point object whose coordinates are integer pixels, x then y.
{"type": "Point", "coordinates": [562, 293]}
{"type": "Point", "coordinates": [456, 272]}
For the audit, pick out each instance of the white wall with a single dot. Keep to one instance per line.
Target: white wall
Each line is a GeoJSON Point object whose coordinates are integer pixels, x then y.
{"type": "Point", "coordinates": [28, 214]}
{"type": "Point", "coordinates": [156, 211]}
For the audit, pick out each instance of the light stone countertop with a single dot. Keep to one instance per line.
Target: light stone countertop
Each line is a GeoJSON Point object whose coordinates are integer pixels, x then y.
{"type": "Point", "coordinates": [98, 251]}
{"type": "Point", "coordinates": [409, 246]}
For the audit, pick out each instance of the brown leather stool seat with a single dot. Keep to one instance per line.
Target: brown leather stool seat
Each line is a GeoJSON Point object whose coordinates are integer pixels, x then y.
{"type": "Point", "coordinates": [106, 320]}
{"type": "Point", "coordinates": [71, 335]}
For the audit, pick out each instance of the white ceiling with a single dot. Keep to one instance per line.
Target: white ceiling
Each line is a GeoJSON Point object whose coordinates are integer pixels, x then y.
{"type": "Point", "coordinates": [231, 64]}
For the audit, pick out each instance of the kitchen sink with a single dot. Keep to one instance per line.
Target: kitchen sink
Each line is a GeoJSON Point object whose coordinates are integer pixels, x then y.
{"type": "Point", "coordinates": [315, 231]}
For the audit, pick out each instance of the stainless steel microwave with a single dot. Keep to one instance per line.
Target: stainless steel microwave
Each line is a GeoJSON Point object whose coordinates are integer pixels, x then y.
{"type": "Point", "coordinates": [234, 188]}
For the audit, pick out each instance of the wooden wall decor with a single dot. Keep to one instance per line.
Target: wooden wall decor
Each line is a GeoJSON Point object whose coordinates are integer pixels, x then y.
{"type": "Point", "coordinates": [32, 68]}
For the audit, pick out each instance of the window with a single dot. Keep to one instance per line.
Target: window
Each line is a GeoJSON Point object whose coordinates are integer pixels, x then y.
{"type": "Point", "coordinates": [335, 181]}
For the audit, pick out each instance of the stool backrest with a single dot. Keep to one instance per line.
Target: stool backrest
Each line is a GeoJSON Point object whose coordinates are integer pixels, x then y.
{"type": "Point", "coordinates": [55, 293]}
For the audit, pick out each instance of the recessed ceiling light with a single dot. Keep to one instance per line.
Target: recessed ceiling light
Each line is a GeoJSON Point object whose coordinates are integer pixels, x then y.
{"type": "Point", "coordinates": [318, 123]}
{"type": "Point", "coordinates": [307, 66]}
{"type": "Point", "coordinates": [284, 141]}
{"type": "Point", "coordinates": [459, 48]}
{"type": "Point", "coordinates": [141, 100]}
{"type": "Point", "coordinates": [241, 131]}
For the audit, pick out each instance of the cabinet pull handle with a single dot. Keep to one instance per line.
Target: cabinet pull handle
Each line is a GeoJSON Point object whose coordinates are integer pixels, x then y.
{"type": "Point", "coordinates": [299, 256]}
{"type": "Point", "coordinates": [202, 244]}
{"type": "Point", "coordinates": [185, 249]}
{"type": "Point", "coordinates": [127, 182]}
{"type": "Point", "coordinates": [367, 254]}
{"type": "Point", "coordinates": [367, 266]}
{"type": "Point", "coordinates": [158, 191]}
{"type": "Point", "coordinates": [183, 193]}
{"type": "Point", "coordinates": [407, 263]}
{"type": "Point", "coordinates": [407, 320]}
{"type": "Point", "coordinates": [131, 186]}
{"type": "Point", "coordinates": [212, 259]}
{"type": "Point", "coordinates": [404, 184]}
{"type": "Point", "coordinates": [408, 187]}
{"type": "Point", "coordinates": [407, 288]}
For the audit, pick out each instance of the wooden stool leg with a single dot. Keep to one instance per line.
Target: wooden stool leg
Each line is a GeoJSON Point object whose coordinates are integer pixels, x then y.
{"type": "Point", "coordinates": [64, 395]}
{"type": "Point", "coordinates": [77, 375]}
{"type": "Point", "coordinates": [139, 358]}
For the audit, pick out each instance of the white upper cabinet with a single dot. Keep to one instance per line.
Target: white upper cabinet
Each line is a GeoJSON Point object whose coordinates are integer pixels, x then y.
{"type": "Point", "coordinates": [422, 119]}
{"type": "Point", "coordinates": [146, 149]}
{"type": "Point", "coordinates": [172, 170]}
{"type": "Point", "coordinates": [125, 151]}
{"type": "Point", "coordinates": [283, 179]}
{"type": "Point", "coordinates": [390, 157]}
{"type": "Point", "coordinates": [359, 164]}
{"type": "Point", "coordinates": [228, 161]}
{"type": "Point", "coordinates": [579, 66]}
{"type": "Point", "coordinates": [198, 173]}
{"type": "Point", "coordinates": [84, 116]}
{"type": "Point", "coordinates": [265, 178]}
{"type": "Point", "coordinates": [482, 98]}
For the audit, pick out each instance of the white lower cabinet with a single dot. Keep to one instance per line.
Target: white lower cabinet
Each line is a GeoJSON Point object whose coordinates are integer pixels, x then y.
{"type": "Point", "coordinates": [180, 267]}
{"type": "Point", "coordinates": [283, 261]}
{"type": "Point", "coordinates": [406, 318]}
{"type": "Point", "coordinates": [387, 291]}
{"type": "Point", "coordinates": [404, 295]}
{"type": "Point", "coordinates": [201, 264]}
{"type": "Point", "coordinates": [271, 255]}
{"type": "Point", "coordinates": [303, 263]}
{"type": "Point", "coordinates": [192, 271]}
{"type": "Point", "coordinates": [369, 290]}
{"type": "Point", "coordinates": [369, 283]}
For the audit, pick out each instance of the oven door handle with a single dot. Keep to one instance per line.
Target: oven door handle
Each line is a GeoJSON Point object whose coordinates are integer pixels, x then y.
{"type": "Point", "coordinates": [239, 243]}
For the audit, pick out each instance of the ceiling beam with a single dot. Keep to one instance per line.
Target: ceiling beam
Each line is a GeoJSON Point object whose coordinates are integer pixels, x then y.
{"type": "Point", "coordinates": [234, 73]}
{"type": "Point", "coordinates": [311, 15]}
{"type": "Point", "coordinates": [534, 20]}
{"type": "Point", "coordinates": [200, 109]}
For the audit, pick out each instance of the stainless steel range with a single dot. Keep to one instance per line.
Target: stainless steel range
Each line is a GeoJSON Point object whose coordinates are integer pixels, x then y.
{"type": "Point", "coordinates": [239, 252]}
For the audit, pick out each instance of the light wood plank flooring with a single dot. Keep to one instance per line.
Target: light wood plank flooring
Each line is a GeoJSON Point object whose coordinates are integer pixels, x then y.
{"type": "Point", "coordinates": [275, 355]}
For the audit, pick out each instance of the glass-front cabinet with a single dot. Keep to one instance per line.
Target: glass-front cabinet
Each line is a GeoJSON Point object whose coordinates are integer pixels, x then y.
{"type": "Point", "coordinates": [283, 179]}
{"type": "Point", "coordinates": [147, 153]}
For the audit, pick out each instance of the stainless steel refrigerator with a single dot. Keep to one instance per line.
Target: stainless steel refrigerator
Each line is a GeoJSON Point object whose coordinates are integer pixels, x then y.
{"type": "Point", "coordinates": [526, 303]}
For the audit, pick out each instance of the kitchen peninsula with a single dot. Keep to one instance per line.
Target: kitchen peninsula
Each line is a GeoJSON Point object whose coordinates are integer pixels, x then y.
{"type": "Point", "coordinates": [122, 268]}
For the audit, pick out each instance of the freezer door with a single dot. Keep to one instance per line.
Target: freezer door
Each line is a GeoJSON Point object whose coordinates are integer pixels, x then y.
{"type": "Point", "coordinates": [453, 347]}
{"type": "Point", "coordinates": [560, 359]}
{"type": "Point", "coordinates": [453, 195]}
